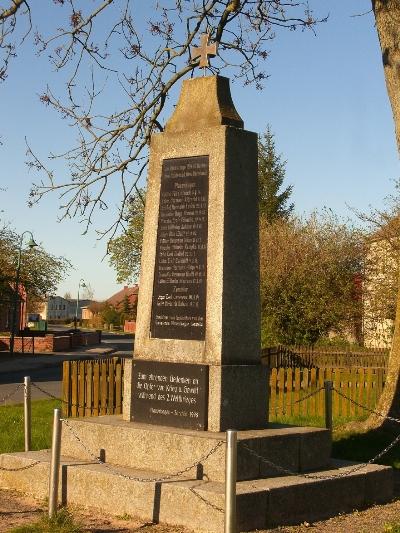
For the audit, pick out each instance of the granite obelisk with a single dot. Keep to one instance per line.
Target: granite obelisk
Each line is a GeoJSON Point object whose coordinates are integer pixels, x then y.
{"type": "Point", "coordinates": [197, 348]}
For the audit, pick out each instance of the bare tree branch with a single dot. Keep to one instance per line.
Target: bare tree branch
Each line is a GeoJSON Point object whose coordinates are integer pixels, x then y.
{"type": "Point", "coordinates": [11, 11]}
{"type": "Point", "coordinates": [137, 62]}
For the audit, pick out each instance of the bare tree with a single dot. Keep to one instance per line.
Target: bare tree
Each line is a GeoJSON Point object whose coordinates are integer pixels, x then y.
{"type": "Point", "coordinates": [102, 51]}
{"type": "Point", "coordinates": [9, 36]}
{"type": "Point", "coordinates": [88, 292]}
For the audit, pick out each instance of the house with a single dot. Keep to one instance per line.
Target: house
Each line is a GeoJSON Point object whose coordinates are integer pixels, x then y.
{"type": "Point", "coordinates": [379, 295]}
{"type": "Point", "coordinates": [126, 295]}
{"type": "Point", "coordinates": [7, 302]}
{"type": "Point", "coordinates": [380, 285]}
{"type": "Point", "coordinates": [120, 308]}
{"type": "Point", "coordinates": [59, 308]}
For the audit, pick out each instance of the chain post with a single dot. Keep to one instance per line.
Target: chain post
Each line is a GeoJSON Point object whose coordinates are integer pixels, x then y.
{"type": "Point", "coordinates": [27, 413]}
{"type": "Point", "coordinates": [230, 481]}
{"type": "Point", "coordinates": [328, 385]}
{"type": "Point", "coordinates": [55, 463]}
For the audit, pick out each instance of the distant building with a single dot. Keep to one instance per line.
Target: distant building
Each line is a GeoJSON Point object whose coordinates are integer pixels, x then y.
{"type": "Point", "coordinates": [7, 302]}
{"type": "Point", "coordinates": [87, 314]}
{"type": "Point", "coordinates": [59, 308]}
{"type": "Point", "coordinates": [127, 293]}
{"type": "Point", "coordinates": [124, 302]}
{"type": "Point", "coordinates": [380, 289]}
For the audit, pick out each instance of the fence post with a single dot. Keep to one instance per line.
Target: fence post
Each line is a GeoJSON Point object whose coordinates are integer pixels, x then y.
{"type": "Point", "coordinates": [55, 463]}
{"type": "Point", "coordinates": [328, 385]}
{"type": "Point", "coordinates": [230, 481]}
{"type": "Point", "coordinates": [268, 390]}
{"type": "Point", "coordinates": [27, 412]}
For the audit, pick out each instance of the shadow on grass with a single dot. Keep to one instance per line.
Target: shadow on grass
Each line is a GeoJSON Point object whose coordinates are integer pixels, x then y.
{"type": "Point", "coordinates": [363, 446]}
{"type": "Point", "coordinates": [351, 441]}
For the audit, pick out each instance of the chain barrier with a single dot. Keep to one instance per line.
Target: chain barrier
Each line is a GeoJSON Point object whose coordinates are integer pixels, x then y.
{"type": "Point", "coordinates": [372, 411]}
{"type": "Point", "coordinates": [142, 479]}
{"type": "Point", "coordinates": [46, 392]}
{"type": "Point", "coordinates": [344, 473]}
{"type": "Point", "coordinates": [209, 504]}
{"type": "Point", "coordinates": [269, 463]}
{"type": "Point", "coordinates": [5, 469]}
{"type": "Point", "coordinates": [10, 394]}
{"type": "Point", "coordinates": [282, 410]}
{"type": "Point", "coordinates": [53, 397]}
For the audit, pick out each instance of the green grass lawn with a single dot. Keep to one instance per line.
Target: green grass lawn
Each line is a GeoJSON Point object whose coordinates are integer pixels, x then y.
{"type": "Point", "coordinates": [12, 425]}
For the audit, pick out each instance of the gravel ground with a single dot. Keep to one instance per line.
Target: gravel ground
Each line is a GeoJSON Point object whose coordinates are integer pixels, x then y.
{"type": "Point", "coordinates": [16, 509]}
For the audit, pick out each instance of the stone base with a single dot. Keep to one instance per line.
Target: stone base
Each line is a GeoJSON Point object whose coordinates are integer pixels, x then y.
{"type": "Point", "coordinates": [199, 504]}
{"type": "Point", "coordinates": [170, 450]}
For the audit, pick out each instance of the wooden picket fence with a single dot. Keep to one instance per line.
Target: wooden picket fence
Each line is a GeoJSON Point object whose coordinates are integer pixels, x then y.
{"type": "Point", "coordinates": [289, 385]}
{"type": "Point", "coordinates": [93, 387]}
{"type": "Point", "coordinates": [313, 357]}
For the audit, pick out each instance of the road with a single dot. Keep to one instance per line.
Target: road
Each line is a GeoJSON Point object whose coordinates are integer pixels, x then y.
{"type": "Point", "coordinates": [46, 371]}
{"type": "Point", "coordinates": [10, 394]}
{"type": "Point", "coordinates": [122, 342]}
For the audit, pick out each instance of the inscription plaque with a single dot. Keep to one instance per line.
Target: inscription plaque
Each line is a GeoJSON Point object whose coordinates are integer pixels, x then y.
{"type": "Point", "coordinates": [180, 275]}
{"type": "Point", "coordinates": [170, 394]}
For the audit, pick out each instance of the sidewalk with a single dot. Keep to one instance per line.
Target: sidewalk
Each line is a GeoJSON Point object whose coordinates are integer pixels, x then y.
{"type": "Point", "coordinates": [19, 362]}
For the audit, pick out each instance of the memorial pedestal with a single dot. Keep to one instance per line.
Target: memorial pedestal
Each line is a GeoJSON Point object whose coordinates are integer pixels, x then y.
{"type": "Point", "coordinates": [199, 285]}
{"type": "Point", "coordinates": [134, 452]}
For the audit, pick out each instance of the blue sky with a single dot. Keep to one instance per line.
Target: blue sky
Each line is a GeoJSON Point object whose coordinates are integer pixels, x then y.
{"type": "Point", "coordinates": [325, 100]}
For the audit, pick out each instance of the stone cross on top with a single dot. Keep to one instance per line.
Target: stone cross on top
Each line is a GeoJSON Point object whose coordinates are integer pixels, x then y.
{"type": "Point", "coordinates": [204, 51]}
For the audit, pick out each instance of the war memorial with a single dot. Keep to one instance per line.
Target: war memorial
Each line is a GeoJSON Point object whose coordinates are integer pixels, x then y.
{"type": "Point", "coordinates": [196, 370]}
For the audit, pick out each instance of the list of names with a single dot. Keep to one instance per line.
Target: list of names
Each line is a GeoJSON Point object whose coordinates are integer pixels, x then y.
{"type": "Point", "coordinates": [179, 291]}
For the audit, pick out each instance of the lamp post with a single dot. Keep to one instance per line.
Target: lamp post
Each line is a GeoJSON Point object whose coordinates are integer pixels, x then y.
{"type": "Point", "coordinates": [81, 284]}
{"type": "Point", "coordinates": [31, 244]}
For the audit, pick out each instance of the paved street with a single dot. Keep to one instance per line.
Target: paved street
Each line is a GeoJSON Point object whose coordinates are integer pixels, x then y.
{"type": "Point", "coordinates": [122, 342]}
{"type": "Point", "coordinates": [52, 387]}
{"type": "Point", "coordinates": [46, 369]}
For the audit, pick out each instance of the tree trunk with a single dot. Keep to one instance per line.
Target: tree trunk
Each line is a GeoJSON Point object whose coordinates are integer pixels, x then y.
{"type": "Point", "coordinates": [387, 18]}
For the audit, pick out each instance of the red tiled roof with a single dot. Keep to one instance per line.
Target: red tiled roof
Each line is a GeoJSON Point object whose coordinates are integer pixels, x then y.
{"type": "Point", "coordinates": [118, 298]}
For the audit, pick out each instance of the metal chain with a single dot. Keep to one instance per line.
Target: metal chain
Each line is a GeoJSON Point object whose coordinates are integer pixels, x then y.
{"type": "Point", "coordinates": [140, 479]}
{"type": "Point", "coordinates": [277, 410]}
{"type": "Point", "coordinates": [45, 392]}
{"type": "Point", "coordinates": [345, 473]}
{"type": "Point", "coordinates": [20, 468]}
{"type": "Point", "coordinates": [209, 504]}
{"type": "Point", "coordinates": [392, 419]}
{"type": "Point", "coordinates": [8, 396]}
{"type": "Point", "coordinates": [282, 409]}
{"type": "Point", "coordinates": [64, 401]}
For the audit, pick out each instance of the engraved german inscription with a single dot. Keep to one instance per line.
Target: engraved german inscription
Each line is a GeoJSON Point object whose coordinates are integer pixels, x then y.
{"type": "Point", "coordinates": [170, 394]}
{"type": "Point", "coordinates": [180, 277]}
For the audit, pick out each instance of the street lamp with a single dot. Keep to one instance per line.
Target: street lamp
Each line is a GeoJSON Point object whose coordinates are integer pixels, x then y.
{"type": "Point", "coordinates": [30, 244]}
{"type": "Point", "coordinates": [81, 284]}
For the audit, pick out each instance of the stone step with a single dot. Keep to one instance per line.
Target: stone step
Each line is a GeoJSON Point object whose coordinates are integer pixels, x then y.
{"type": "Point", "coordinates": [167, 449]}
{"type": "Point", "coordinates": [199, 504]}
